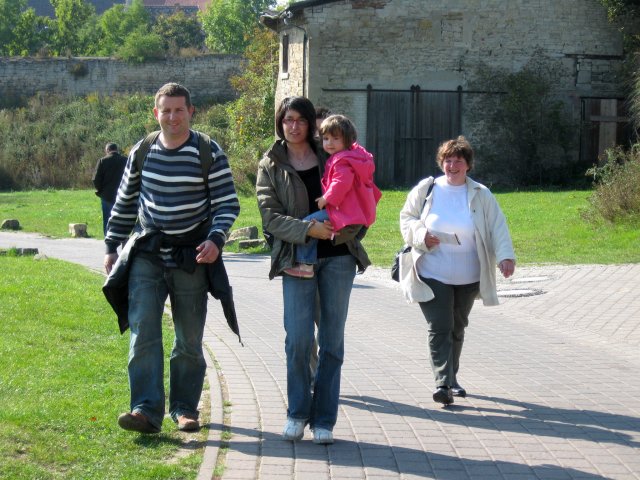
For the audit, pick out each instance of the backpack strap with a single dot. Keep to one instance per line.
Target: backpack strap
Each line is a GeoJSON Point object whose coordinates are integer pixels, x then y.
{"type": "Point", "coordinates": [204, 150]}
{"type": "Point", "coordinates": [143, 149]}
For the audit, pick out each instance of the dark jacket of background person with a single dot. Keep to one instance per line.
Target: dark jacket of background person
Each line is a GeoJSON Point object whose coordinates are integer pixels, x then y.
{"type": "Point", "coordinates": [108, 174]}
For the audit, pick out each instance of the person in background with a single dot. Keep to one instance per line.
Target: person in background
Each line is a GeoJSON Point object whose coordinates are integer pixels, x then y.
{"type": "Point", "coordinates": [288, 182]}
{"type": "Point", "coordinates": [349, 194]}
{"type": "Point", "coordinates": [453, 273]}
{"type": "Point", "coordinates": [321, 114]}
{"type": "Point", "coordinates": [106, 179]}
{"type": "Point", "coordinates": [179, 224]}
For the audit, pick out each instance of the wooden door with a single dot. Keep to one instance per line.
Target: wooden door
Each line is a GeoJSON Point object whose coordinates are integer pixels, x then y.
{"type": "Point", "coordinates": [404, 130]}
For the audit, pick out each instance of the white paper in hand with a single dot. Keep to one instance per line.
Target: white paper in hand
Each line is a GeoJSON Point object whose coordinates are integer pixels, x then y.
{"type": "Point", "coordinates": [447, 238]}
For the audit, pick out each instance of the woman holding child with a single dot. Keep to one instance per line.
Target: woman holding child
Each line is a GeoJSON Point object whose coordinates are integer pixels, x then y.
{"type": "Point", "coordinates": [288, 187]}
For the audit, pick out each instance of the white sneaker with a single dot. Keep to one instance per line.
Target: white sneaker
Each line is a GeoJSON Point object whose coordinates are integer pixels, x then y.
{"type": "Point", "coordinates": [322, 436]}
{"type": "Point", "coordinates": [293, 429]}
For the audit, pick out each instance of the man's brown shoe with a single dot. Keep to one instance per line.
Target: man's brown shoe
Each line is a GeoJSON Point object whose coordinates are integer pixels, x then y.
{"type": "Point", "coordinates": [136, 422]}
{"type": "Point", "coordinates": [187, 423]}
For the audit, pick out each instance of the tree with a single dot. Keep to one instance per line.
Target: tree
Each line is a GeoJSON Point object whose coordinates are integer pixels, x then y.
{"type": "Point", "coordinates": [141, 46]}
{"type": "Point", "coordinates": [10, 11]}
{"type": "Point", "coordinates": [620, 8]}
{"type": "Point", "coordinates": [626, 15]}
{"type": "Point", "coordinates": [71, 18]}
{"type": "Point", "coordinates": [32, 34]}
{"type": "Point", "coordinates": [179, 31]}
{"type": "Point", "coordinates": [229, 23]}
{"type": "Point", "coordinates": [118, 22]}
{"type": "Point", "coordinates": [254, 110]}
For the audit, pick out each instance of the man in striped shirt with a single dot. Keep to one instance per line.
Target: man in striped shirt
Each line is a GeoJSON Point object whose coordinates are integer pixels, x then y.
{"type": "Point", "coordinates": [182, 224]}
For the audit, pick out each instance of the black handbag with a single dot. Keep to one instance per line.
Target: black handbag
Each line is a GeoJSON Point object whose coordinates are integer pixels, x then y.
{"type": "Point", "coordinates": [395, 267]}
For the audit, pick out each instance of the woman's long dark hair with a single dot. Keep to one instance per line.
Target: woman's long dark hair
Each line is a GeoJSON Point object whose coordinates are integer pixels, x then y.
{"type": "Point", "coordinates": [306, 110]}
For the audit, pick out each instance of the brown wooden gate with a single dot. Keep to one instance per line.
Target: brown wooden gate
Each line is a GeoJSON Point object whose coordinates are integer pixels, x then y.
{"type": "Point", "coordinates": [404, 130]}
{"type": "Point", "coordinates": [605, 123]}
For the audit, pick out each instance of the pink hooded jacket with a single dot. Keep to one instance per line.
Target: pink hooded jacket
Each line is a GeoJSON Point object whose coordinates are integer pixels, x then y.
{"type": "Point", "coordinates": [348, 187]}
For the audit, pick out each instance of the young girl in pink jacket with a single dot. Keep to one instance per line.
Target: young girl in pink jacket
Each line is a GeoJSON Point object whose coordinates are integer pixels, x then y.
{"type": "Point", "coordinates": [349, 194]}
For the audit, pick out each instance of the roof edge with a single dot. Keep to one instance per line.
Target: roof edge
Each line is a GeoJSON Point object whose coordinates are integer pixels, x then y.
{"type": "Point", "coordinates": [271, 18]}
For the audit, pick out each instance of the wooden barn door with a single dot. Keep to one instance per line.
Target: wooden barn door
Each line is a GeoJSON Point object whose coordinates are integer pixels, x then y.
{"type": "Point", "coordinates": [605, 123]}
{"type": "Point", "coordinates": [404, 129]}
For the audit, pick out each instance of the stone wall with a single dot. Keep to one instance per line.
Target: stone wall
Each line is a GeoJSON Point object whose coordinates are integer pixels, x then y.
{"type": "Point", "coordinates": [206, 76]}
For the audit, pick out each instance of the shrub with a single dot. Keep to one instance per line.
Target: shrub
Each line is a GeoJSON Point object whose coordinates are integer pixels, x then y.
{"type": "Point", "coordinates": [55, 142]}
{"type": "Point", "coordinates": [141, 46]}
{"type": "Point", "coordinates": [617, 187]}
{"type": "Point", "coordinates": [525, 136]}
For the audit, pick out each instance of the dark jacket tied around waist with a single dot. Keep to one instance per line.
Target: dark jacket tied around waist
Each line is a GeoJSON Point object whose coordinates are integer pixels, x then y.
{"type": "Point", "coordinates": [183, 252]}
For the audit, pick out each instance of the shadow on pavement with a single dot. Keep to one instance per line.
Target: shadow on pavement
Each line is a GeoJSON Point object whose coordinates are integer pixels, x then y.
{"type": "Point", "coordinates": [525, 417]}
{"type": "Point", "coordinates": [377, 457]}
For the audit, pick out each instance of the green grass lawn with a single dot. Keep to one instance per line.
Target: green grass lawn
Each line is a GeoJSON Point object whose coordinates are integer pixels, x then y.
{"type": "Point", "coordinates": [546, 227]}
{"type": "Point", "coordinates": [64, 381]}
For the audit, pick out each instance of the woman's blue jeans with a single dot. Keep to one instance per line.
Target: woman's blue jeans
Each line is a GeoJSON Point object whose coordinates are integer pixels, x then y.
{"type": "Point", "coordinates": [150, 283]}
{"type": "Point", "coordinates": [333, 282]}
{"type": "Point", "coordinates": [308, 253]}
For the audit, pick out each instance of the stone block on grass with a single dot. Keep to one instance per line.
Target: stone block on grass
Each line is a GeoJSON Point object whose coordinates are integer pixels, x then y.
{"type": "Point", "coordinates": [78, 230]}
{"type": "Point", "coordinates": [246, 244]}
{"type": "Point", "coordinates": [10, 224]}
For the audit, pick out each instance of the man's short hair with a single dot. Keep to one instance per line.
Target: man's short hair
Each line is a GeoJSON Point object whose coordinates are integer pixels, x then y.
{"type": "Point", "coordinates": [173, 90]}
{"type": "Point", "coordinates": [111, 147]}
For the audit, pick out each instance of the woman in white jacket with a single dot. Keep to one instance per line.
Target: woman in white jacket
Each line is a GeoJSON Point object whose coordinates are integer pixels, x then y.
{"type": "Point", "coordinates": [458, 235]}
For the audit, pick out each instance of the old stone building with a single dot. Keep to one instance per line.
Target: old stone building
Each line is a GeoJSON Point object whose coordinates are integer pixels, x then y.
{"type": "Point", "coordinates": [407, 71]}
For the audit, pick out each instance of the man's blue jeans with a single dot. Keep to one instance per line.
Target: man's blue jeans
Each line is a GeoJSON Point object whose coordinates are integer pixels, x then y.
{"type": "Point", "coordinates": [333, 282]}
{"type": "Point", "coordinates": [106, 213]}
{"type": "Point", "coordinates": [308, 253]}
{"type": "Point", "coordinates": [150, 283]}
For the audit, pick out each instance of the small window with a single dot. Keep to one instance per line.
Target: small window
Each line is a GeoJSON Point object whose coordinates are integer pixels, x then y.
{"type": "Point", "coordinates": [285, 53]}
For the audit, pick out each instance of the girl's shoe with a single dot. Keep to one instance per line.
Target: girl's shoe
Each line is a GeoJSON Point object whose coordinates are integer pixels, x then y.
{"type": "Point", "coordinates": [293, 429]}
{"type": "Point", "coordinates": [322, 436]}
{"type": "Point", "coordinates": [300, 270]}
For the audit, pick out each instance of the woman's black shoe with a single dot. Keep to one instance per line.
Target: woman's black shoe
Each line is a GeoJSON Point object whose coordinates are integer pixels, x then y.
{"type": "Point", "coordinates": [458, 391]}
{"type": "Point", "coordinates": [443, 395]}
